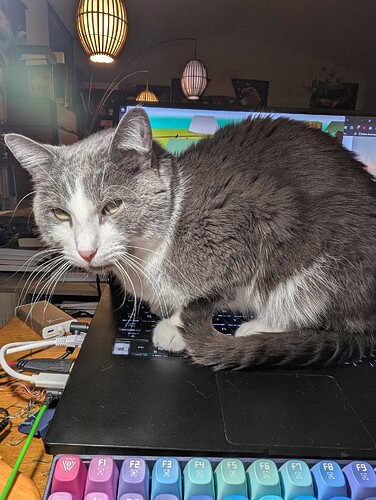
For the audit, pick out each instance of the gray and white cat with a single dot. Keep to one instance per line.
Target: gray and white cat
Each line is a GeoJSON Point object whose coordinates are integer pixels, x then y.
{"type": "Point", "coordinates": [267, 215]}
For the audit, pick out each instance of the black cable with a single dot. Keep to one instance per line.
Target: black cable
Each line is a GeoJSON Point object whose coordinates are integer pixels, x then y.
{"type": "Point", "coordinates": [5, 421]}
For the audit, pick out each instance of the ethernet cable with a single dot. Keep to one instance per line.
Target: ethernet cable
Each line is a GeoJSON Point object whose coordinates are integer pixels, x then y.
{"type": "Point", "coordinates": [45, 380]}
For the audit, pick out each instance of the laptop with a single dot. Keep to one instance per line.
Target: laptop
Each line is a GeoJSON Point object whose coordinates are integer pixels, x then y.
{"type": "Point", "coordinates": [126, 397]}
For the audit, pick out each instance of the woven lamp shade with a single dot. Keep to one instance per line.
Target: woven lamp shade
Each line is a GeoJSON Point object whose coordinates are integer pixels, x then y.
{"type": "Point", "coordinates": [102, 28]}
{"type": "Point", "coordinates": [194, 79]}
{"type": "Point", "coordinates": [146, 96]}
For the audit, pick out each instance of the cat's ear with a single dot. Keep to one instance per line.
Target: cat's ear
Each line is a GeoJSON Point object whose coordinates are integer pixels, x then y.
{"type": "Point", "coordinates": [34, 157]}
{"type": "Point", "coordinates": [133, 133]}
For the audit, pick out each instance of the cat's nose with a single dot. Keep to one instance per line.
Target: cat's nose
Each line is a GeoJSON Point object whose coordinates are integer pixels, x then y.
{"type": "Point", "coordinates": [87, 255]}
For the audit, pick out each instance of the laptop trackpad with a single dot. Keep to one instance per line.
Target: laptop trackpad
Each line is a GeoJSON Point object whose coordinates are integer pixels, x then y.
{"type": "Point", "coordinates": [282, 410]}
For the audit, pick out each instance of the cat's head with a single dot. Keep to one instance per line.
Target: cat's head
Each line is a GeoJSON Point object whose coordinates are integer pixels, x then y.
{"type": "Point", "coordinates": [102, 196]}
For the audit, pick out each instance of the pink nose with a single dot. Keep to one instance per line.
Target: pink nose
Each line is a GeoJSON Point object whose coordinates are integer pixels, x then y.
{"type": "Point", "coordinates": [87, 255]}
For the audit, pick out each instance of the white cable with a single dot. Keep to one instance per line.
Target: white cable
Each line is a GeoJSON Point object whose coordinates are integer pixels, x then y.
{"type": "Point", "coordinates": [46, 380]}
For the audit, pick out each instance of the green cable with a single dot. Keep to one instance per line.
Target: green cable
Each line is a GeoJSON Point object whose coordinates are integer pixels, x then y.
{"type": "Point", "coordinates": [13, 474]}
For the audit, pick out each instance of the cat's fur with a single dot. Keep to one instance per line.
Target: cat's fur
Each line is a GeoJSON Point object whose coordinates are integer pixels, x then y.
{"type": "Point", "coordinates": [268, 215]}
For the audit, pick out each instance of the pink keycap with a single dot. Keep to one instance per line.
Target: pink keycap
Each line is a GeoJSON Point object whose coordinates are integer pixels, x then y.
{"type": "Point", "coordinates": [69, 476]}
{"type": "Point", "coordinates": [61, 496]}
{"type": "Point", "coordinates": [98, 496]}
{"type": "Point", "coordinates": [102, 477]}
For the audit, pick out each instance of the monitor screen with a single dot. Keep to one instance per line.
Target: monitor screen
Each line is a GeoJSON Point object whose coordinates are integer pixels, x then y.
{"type": "Point", "coordinates": [177, 128]}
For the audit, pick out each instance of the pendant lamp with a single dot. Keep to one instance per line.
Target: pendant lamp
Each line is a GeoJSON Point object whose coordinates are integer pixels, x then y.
{"type": "Point", "coordinates": [147, 95]}
{"type": "Point", "coordinates": [102, 28]}
{"type": "Point", "coordinates": [194, 79]}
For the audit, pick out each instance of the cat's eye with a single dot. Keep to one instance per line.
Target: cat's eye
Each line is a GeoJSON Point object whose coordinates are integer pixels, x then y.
{"type": "Point", "coordinates": [112, 207]}
{"type": "Point", "coordinates": [61, 214]}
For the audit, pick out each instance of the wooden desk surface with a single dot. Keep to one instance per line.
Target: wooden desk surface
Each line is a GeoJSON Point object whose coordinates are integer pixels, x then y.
{"type": "Point", "coordinates": [36, 463]}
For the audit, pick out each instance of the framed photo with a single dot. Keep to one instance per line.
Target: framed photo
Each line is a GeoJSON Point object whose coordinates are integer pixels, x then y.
{"type": "Point", "coordinates": [334, 95]}
{"type": "Point", "coordinates": [251, 93]}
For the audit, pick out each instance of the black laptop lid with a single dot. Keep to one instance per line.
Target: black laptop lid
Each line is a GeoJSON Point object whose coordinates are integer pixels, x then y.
{"type": "Point", "coordinates": [157, 406]}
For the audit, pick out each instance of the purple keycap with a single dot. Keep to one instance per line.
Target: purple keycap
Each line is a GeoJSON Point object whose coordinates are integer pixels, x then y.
{"type": "Point", "coordinates": [131, 496]}
{"type": "Point", "coordinates": [102, 477]}
{"type": "Point", "coordinates": [361, 479]}
{"type": "Point", "coordinates": [61, 496]}
{"type": "Point", "coordinates": [134, 478]}
{"type": "Point", "coordinates": [98, 496]}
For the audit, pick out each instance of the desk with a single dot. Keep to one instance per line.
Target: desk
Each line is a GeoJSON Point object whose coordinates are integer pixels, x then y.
{"type": "Point", "coordinates": [36, 463]}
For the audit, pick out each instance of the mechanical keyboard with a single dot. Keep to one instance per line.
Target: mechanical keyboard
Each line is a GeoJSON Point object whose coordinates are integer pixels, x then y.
{"type": "Point", "coordinates": [104, 477]}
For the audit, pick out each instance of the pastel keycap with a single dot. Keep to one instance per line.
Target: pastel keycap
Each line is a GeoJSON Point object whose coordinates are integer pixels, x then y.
{"type": "Point", "coordinates": [102, 477]}
{"type": "Point", "coordinates": [98, 496]}
{"type": "Point", "coordinates": [271, 497]}
{"type": "Point", "coordinates": [236, 497]}
{"type": "Point", "coordinates": [134, 478]}
{"type": "Point", "coordinates": [166, 478]}
{"type": "Point", "coordinates": [130, 496]}
{"type": "Point", "coordinates": [198, 479]}
{"type": "Point", "coordinates": [263, 479]}
{"type": "Point", "coordinates": [296, 480]}
{"type": "Point", "coordinates": [61, 496]}
{"type": "Point", "coordinates": [69, 476]}
{"type": "Point", "coordinates": [230, 478]}
{"type": "Point", "coordinates": [328, 480]}
{"type": "Point", "coordinates": [361, 480]}
{"type": "Point", "coordinates": [166, 496]}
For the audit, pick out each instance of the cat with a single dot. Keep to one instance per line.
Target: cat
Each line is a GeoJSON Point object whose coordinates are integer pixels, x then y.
{"type": "Point", "coordinates": [268, 215]}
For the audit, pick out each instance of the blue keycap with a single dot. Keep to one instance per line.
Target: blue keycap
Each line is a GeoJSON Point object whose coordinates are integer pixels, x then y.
{"type": "Point", "coordinates": [198, 479]}
{"type": "Point", "coordinates": [230, 479]}
{"type": "Point", "coordinates": [305, 498]}
{"type": "Point", "coordinates": [166, 478]}
{"type": "Point", "coordinates": [296, 480]}
{"type": "Point", "coordinates": [263, 479]}
{"type": "Point", "coordinates": [271, 497]}
{"type": "Point", "coordinates": [361, 479]}
{"type": "Point", "coordinates": [236, 497]}
{"type": "Point", "coordinates": [328, 480]}
{"type": "Point", "coordinates": [340, 498]}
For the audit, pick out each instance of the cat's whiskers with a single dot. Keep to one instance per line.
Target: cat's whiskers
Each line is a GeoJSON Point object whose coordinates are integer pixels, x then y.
{"type": "Point", "coordinates": [170, 263]}
{"type": "Point", "coordinates": [129, 260]}
{"type": "Point", "coordinates": [126, 279]}
{"type": "Point", "coordinates": [42, 269]}
{"type": "Point", "coordinates": [49, 287]}
{"type": "Point", "coordinates": [19, 203]}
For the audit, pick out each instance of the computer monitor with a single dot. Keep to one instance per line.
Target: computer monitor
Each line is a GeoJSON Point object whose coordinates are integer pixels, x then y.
{"type": "Point", "coordinates": [177, 128]}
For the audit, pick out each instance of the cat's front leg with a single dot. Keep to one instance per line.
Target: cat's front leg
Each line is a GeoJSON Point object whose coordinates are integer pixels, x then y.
{"type": "Point", "coordinates": [167, 334]}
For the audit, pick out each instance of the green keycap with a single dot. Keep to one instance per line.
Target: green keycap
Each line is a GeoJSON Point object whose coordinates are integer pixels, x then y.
{"type": "Point", "coordinates": [230, 479]}
{"type": "Point", "coordinates": [198, 478]}
{"type": "Point", "coordinates": [263, 479]}
{"type": "Point", "coordinates": [296, 480]}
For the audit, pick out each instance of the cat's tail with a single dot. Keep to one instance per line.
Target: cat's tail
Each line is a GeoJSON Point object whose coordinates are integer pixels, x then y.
{"type": "Point", "coordinates": [208, 347]}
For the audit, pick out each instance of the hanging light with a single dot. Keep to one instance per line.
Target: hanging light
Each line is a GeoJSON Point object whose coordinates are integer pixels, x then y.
{"type": "Point", "coordinates": [194, 79]}
{"type": "Point", "coordinates": [102, 28]}
{"type": "Point", "coordinates": [147, 96]}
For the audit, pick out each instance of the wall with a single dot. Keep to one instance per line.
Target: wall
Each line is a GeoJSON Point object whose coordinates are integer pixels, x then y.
{"type": "Point", "coordinates": [289, 56]}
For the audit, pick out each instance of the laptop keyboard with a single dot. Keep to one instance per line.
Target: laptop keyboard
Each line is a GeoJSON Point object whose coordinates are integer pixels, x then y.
{"type": "Point", "coordinates": [105, 477]}
{"type": "Point", "coordinates": [136, 324]}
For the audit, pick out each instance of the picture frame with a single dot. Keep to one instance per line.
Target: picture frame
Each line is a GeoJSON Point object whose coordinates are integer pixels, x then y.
{"type": "Point", "coordinates": [334, 95]}
{"type": "Point", "coordinates": [251, 93]}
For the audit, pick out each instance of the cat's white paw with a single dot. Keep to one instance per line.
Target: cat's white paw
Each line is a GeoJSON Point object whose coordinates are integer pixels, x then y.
{"type": "Point", "coordinates": [253, 327]}
{"type": "Point", "coordinates": [167, 335]}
